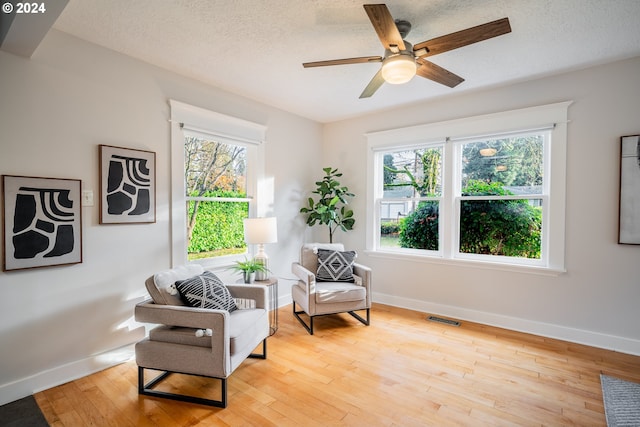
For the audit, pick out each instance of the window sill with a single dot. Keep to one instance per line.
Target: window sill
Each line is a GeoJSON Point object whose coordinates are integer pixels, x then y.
{"type": "Point", "coordinates": [528, 269]}
{"type": "Point", "coordinates": [219, 263]}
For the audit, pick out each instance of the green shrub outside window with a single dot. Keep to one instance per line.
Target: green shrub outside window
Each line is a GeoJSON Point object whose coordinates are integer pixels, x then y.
{"type": "Point", "coordinates": [218, 229]}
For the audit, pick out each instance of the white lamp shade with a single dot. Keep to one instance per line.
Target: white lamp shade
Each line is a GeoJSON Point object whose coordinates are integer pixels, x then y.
{"type": "Point", "coordinates": [260, 230]}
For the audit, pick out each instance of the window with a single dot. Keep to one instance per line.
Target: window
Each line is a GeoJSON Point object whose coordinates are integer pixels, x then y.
{"type": "Point", "coordinates": [216, 167]}
{"type": "Point", "coordinates": [500, 195]}
{"type": "Point", "coordinates": [215, 175]}
{"type": "Point", "coordinates": [484, 189]}
{"type": "Point", "coordinates": [411, 197]}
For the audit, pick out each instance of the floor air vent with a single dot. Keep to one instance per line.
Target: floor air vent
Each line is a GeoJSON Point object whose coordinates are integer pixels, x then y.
{"type": "Point", "coordinates": [443, 320]}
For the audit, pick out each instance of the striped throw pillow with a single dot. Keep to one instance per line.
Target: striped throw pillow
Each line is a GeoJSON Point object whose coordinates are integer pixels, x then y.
{"type": "Point", "coordinates": [206, 291]}
{"type": "Point", "coordinates": [335, 266]}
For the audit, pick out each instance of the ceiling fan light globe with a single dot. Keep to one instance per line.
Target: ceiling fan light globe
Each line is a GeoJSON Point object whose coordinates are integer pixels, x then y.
{"type": "Point", "coordinates": [398, 69]}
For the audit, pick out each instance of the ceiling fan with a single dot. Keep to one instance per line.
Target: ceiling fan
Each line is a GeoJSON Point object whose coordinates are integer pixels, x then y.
{"type": "Point", "coordinates": [401, 60]}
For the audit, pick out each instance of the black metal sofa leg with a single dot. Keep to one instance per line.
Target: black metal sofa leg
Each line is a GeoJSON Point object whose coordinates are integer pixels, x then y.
{"type": "Point", "coordinates": [297, 314]}
{"type": "Point", "coordinates": [147, 390]}
{"type": "Point", "coordinates": [363, 321]}
{"type": "Point", "coordinates": [264, 351]}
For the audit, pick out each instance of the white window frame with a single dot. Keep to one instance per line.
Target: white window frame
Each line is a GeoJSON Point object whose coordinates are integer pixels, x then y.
{"type": "Point", "coordinates": [230, 130]}
{"type": "Point", "coordinates": [553, 117]}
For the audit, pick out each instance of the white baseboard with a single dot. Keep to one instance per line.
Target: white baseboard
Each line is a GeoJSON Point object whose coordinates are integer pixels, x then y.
{"type": "Point", "coordinates": [593, 339]}
{"type": "Point", "coordinates": [63, 374]}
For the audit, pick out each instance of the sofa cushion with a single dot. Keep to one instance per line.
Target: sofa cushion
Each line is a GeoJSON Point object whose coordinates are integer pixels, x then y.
{"type": "Point", "coordinates": [244, 328]}
{"type": "Point", "coordinates": [333, 292]}
{"type": "Point", "coordinates": [335, 266]}
{"type": "Point", "coordinates": [206, 290]}
{"type": "Point", "coordinates": [161, 286]}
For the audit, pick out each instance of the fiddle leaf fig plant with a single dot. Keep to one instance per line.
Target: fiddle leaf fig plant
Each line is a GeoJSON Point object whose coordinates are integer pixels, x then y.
{"type": "Point", "coordinates": [331, 207]}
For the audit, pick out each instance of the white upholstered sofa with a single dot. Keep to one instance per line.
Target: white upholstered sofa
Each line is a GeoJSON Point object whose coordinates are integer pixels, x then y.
{"type": "Point", "coordinates": [316, 297]}
{"type": "Point", "coordinates": [197, 341]}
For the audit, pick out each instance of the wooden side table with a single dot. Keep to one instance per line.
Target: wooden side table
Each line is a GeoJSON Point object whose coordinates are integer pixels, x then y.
{"type": "Point", "coordinates": [272, 286]}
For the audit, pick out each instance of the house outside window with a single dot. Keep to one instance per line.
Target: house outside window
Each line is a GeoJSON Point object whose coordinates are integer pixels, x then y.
{"type": "Point", "coordinates": [486, 189]}
{"type": "Point", "coordinates": [216, 164]}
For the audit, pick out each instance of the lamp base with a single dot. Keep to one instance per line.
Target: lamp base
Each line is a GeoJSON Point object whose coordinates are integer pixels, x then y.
{"type": "Point", "coordinates": [261, 258]}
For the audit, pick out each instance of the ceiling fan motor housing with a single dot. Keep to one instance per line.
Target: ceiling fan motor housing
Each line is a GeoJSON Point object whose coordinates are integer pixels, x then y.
{"type": "Point", "coordinates": [403, 27]}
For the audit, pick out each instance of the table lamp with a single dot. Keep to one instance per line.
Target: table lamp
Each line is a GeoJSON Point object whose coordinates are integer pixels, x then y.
{"type": "Point", "coordinates": [259, 231]}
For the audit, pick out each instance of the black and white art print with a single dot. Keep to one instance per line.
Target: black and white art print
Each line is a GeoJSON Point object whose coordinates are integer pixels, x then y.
{"type": "Point", "coordinates": [127, 185]}
{"type": "Point", "coordinates": [630, 190]}
{"type": "Point", "coordinates": [42, 220]}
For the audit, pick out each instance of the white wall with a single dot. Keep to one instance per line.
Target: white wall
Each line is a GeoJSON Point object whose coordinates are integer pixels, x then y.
{"type": "Point", "coordinates": [596, 301]}
{"type": "Point", "coordinates": [59, 323]}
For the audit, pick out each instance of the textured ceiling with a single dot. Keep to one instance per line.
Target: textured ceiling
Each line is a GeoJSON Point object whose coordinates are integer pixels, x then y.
{"type": "Point", "coordinates": [255, 48]}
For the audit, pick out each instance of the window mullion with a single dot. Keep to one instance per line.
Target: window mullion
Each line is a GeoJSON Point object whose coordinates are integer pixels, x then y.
{"type": "Point", "coordinates": [220, 199]}
{"type": "Point", "coordinates": [377, 221]}
{"type": "Point", "coordinates": [509, 197]}
{"type": "Point", "coordinates": [447, 218]}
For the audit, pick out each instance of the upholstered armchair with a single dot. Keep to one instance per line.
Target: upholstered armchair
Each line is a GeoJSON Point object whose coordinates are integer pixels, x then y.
{"type": "Point", "coordinates": [198, 341]}
{"type": "Point", "coordinates": [330, 282]}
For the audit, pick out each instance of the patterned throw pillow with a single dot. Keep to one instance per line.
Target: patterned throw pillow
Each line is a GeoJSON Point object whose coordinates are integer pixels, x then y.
{"type": "Point", "coordinates": [335, 266]}
{"type": "Point", "coordinates": [206, 291]}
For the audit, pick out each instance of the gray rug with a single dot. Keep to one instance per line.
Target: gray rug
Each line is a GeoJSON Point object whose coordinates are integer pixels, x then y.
{"type": "Point", "coordinates": [621, 402]}
{"type": "Point", "coordinates": [22, 413]}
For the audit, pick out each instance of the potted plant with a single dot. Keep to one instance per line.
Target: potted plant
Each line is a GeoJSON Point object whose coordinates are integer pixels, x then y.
{"type": "Point", "coordinates": [248, 268]}
{"type": "Point", "coordinates": [330, 209]}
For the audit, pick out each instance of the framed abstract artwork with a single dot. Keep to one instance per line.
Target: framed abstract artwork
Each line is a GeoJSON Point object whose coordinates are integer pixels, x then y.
{"type": "Point", "coordinates": [42, 220]}
{"type": "Point", "coordinates": [629, 232]}
{"type": "Point", "coordinates": [127, 185]}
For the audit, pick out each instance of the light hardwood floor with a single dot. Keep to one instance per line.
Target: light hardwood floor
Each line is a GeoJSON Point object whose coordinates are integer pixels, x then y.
{"type": "Point", "coordinates": [401, 371]}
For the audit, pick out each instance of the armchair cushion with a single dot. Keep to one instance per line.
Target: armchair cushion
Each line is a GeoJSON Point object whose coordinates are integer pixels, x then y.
{"type": "Point", "coordinates": [161, 286]}
{"type": "Point", "coordinates": [335, 266]}
{"type": "Point", "coordinates": [334, 292]}
{"type": "Point", "coordinates": [206, 291]}
{"type": "Point", "coordinates": [246, 328]}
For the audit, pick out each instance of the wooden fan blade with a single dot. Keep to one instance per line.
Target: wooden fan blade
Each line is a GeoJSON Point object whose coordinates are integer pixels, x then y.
{"type": "Point", "coordinates": [373, 85]}
{"type": "Point", "coordinates": [358, 60]}
{"type": "Point", "coordinates": [384, 25]}
{"type": "Point", "coordinates": [434, 72]}
{"type": "Point", "coordinates": [464, 37]}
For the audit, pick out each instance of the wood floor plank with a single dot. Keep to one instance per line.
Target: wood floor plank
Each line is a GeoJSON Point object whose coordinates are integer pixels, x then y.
{"type": "Point", "coordinates": [402, 370]}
